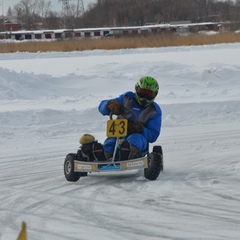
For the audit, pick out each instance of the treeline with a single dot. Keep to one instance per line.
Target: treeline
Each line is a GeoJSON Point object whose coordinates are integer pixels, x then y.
{"type": "Point", "coordinates": [34, 14]}
{"type": "Point", "coordinates": [140, 12]}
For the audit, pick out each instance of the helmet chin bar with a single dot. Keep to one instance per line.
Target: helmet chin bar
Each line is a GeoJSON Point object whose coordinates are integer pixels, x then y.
{"type": "Point", "coordinates": [144, 102]}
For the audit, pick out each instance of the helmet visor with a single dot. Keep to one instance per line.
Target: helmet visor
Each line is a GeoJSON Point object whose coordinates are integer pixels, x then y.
{"type": "Point", "coordinates": [145, 93]}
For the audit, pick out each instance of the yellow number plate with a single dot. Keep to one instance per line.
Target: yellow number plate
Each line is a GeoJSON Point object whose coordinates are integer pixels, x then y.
{"type": "Point", "coordinates": [117, 128]}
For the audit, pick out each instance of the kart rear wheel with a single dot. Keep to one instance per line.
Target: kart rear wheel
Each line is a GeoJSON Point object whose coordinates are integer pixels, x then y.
{"type": "Point", "coordinates": [69, 173]}
{"type": "Point", "coordinates": [155, 166]}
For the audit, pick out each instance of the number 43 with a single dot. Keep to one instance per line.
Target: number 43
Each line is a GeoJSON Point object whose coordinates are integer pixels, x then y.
{"type": "Point", "coordinates": [117, 128]}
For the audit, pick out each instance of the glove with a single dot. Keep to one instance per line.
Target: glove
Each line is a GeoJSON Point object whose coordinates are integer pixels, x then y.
{"type": "Point", "coordinates": [115, 107]}
{"type": "Point", "coordinates": [134, 127]}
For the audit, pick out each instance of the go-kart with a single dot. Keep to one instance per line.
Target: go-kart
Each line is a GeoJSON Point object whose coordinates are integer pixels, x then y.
{"type": "Point", "coordinates": [76, 165]}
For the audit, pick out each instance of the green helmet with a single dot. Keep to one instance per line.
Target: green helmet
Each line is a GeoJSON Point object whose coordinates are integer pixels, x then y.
{"type": "Point", "coordinates": [146, 89]}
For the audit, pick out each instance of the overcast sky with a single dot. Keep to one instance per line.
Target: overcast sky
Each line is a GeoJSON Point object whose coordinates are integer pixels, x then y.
{"type": "Point", "coordinates": [56, 5]}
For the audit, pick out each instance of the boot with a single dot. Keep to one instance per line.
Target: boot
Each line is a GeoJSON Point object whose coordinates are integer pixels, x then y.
{"type": "Point", "coordinates": [108, 155]}
{"type": "Point", "coordinates": [124, 150]}
{"type": "Point", "coordinates": [134, 152]}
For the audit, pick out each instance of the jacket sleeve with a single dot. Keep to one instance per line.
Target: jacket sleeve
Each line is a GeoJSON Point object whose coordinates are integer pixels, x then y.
{"type": "Point", "coordinates": [102, 108]}
{"type": "Point", "coordinates": [152, 128]}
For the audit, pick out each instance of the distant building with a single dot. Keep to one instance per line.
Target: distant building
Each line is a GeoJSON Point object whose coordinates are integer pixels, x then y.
{"type": "Point", "coordinates": [83, 33]}
{"type": "Point", "coordinates": [9, 24]}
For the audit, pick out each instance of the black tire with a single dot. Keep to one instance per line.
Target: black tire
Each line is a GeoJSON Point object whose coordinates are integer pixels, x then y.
{"type": "Point", "coordinates": [155, 166]}
{"type": "Point", "coordinates": [69, 173]}
{"type": "Point", "coordinates": [158, 149]}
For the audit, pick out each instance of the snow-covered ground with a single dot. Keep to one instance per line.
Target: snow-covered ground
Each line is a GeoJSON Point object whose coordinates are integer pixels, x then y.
{"type": "Point", "coordinates": [48, 100]}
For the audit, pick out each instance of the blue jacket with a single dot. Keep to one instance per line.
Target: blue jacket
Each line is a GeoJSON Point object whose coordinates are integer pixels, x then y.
{"type": "Point", "coordinates": [150, 116]}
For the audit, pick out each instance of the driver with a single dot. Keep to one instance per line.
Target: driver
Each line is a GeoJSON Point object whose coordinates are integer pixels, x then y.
{"type": "Point", "coordinates": [139, 134]}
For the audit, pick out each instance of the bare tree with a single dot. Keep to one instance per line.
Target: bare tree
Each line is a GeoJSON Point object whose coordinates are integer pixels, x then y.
{"type": "Point", "coordinates": [9, 12]}
{"type": "Point", "coordinates": [44, 8]}
{"type": "Point", "coordinates": [52, 21]}
{"type": "Point", "coordinates": [26, 10]}
{"type": "Point", "coordinates": [106, 13]}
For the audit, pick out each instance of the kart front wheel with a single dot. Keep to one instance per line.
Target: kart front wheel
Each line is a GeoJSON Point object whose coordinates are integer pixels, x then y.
{"type": "Point", "coordinates": [69, 173]}
{"type": "Point", "coordinates": [155, 166]}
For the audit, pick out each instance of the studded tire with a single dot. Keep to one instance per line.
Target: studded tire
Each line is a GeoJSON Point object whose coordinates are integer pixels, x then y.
{"type": "Point", "coordinates": [69, 173]}
{"type": "Point", "coordinates": [155, 164]}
